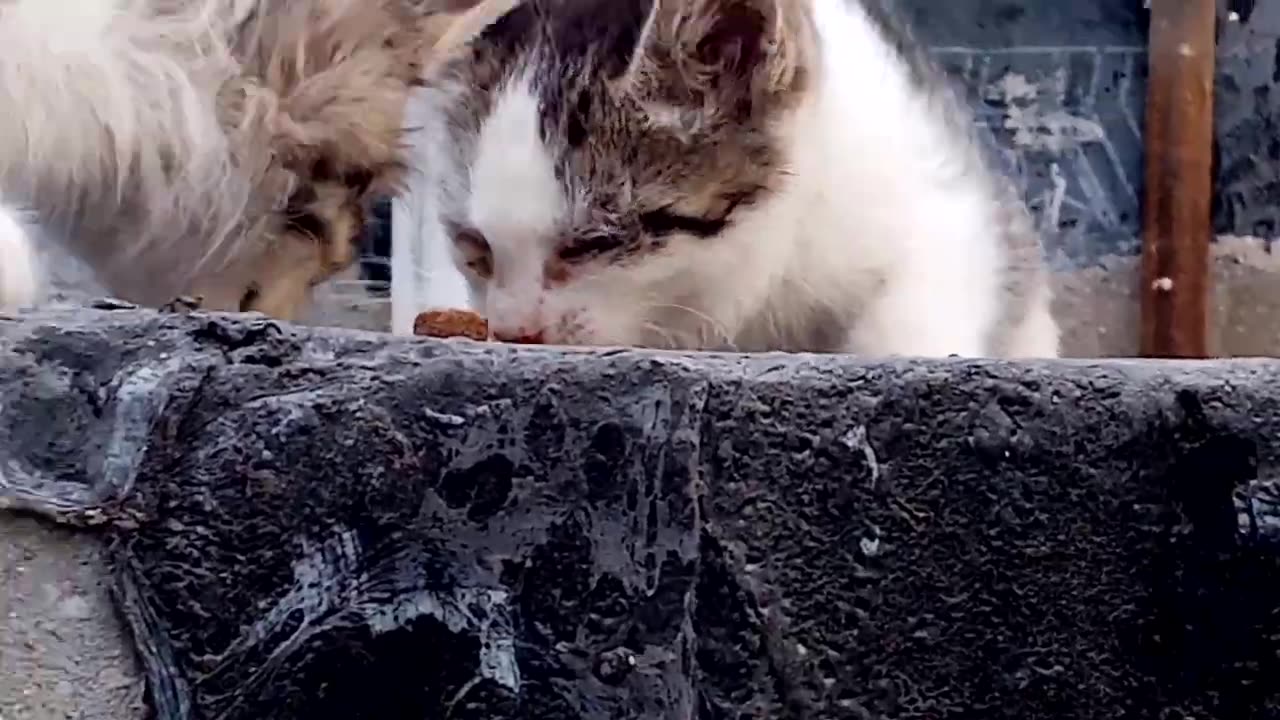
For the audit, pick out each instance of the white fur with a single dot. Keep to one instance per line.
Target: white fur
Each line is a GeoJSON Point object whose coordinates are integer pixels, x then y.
{"type": "Point", "coordinates": [423, 275]}
{"type": "Point", "coordinates": [1039, 335]}
{"type": "Point", "coordinates": [519, 205]}
{"type": "Point", "coordinates": [19, 271]}
{"type": "Point", "coordinates": [885, 221]}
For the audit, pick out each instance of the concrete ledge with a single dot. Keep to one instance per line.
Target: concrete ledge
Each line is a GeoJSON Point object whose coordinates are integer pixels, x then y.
{"type": "Point", "coordinates": [312, 523]}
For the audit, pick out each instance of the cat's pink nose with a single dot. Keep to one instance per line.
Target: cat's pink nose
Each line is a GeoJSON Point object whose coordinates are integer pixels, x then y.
{"type": "Point", "coordinates": [519, 336]}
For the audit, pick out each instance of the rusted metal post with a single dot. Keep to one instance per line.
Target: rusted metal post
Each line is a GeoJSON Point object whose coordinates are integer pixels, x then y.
{"type": "Point", "coordinates": [1177, 223]}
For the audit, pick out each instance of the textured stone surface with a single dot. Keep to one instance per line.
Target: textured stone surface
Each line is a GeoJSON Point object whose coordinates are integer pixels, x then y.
{"type": "Point", "coordinates": [309, 523]}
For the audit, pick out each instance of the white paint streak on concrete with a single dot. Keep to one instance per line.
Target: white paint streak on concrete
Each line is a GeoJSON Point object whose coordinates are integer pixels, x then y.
{"type": "Point", "coordinates": [1035, 128]}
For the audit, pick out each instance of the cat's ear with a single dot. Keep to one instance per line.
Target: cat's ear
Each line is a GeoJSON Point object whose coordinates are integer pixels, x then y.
{"type": "Point", "coordinates": [727, 57]}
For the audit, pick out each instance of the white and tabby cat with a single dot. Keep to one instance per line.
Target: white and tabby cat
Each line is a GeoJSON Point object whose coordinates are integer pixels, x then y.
{"type": "Point", "coordinates": [727, 174]}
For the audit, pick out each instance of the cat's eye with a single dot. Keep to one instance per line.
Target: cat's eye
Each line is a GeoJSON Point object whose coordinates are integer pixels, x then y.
{"type": "Point", "coordinates": [664, 222]}
{"type": "Point", "coordinates": [359, 180]}
{"type": "Point", "coordinates": [250, 298]}
{"type": "Point", "coordinates": [475, 252]}
{"type": "Point", "coordinates": [589, 246]}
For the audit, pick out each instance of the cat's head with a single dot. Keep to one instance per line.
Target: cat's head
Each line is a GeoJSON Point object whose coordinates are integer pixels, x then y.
{"type": "Point", "coordinates": [317, 117]}
{"type": "Point", "coordinates": [595, 162]}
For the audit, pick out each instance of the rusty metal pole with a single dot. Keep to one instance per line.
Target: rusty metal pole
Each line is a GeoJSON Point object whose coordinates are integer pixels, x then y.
{"type": "Point", "coordinates": [1177, 223]}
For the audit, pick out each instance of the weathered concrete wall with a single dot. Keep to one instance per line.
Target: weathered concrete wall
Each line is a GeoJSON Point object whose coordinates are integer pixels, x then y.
{"type": "Point", "coordinates": [1061, 85]}
{"type": "Point", "coordinates": [1248, 120]}
{"type": "Point", "coordinates": [303, 524]}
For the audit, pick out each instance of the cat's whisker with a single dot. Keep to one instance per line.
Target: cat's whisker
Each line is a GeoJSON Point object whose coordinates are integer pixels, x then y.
{"type": "Point", "coordinates": [667, 336]}
{"type": "Point", "coordinates": [709, 324]}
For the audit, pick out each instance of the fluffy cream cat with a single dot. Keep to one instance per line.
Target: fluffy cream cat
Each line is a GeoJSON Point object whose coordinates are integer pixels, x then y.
{"type": "Point", "coordinates": [220, 148]}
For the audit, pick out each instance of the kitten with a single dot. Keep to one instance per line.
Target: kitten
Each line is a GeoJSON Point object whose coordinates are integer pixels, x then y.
{"type": "Point", "coordinates": [220, 148]}
{"type": "Point", "coordinates": [726, 174]}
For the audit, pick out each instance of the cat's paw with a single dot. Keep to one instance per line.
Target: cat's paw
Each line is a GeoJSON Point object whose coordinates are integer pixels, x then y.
{"type": "Point", "coordinates": [183, 304]}
{"type": "Point", "coordinates": [19, 269]}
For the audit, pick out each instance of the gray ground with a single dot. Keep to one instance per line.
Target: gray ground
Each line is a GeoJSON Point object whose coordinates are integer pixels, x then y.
{"type": "Point", "coordinates": [61, 646]}
{"type": "Point", "coordinates": [1098, 307]}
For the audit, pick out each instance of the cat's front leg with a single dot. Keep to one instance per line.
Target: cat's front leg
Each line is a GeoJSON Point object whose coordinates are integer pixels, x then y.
{"type": "Point", "coordinates": [19, 270]}
{"type": "Point", "coordinates": [917, 318]}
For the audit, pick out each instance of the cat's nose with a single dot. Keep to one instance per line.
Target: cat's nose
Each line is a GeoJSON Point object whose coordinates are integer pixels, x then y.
{"type": "Point", "coordinates": [519, 336]}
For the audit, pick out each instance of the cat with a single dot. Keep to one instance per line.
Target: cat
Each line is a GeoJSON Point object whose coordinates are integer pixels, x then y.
{"type": "Point", "coordinates": [747, 175]}
{"type": "Point", "coordinates": [225, 149]}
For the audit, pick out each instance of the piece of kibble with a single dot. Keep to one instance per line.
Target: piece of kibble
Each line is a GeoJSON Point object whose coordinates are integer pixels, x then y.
{"type": "Point", "coordinates": [451, 324]}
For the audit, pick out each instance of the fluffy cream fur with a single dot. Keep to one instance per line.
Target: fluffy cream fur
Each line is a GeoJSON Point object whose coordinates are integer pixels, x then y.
{"type": "Point", "coordinates": [109, 121]}
{"type": "Point", "coordinates": [224, 148]}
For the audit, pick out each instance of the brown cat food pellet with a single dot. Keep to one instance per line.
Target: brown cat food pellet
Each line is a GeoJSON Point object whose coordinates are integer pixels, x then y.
{"type": "Point", "coordinates": [451, 324]}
